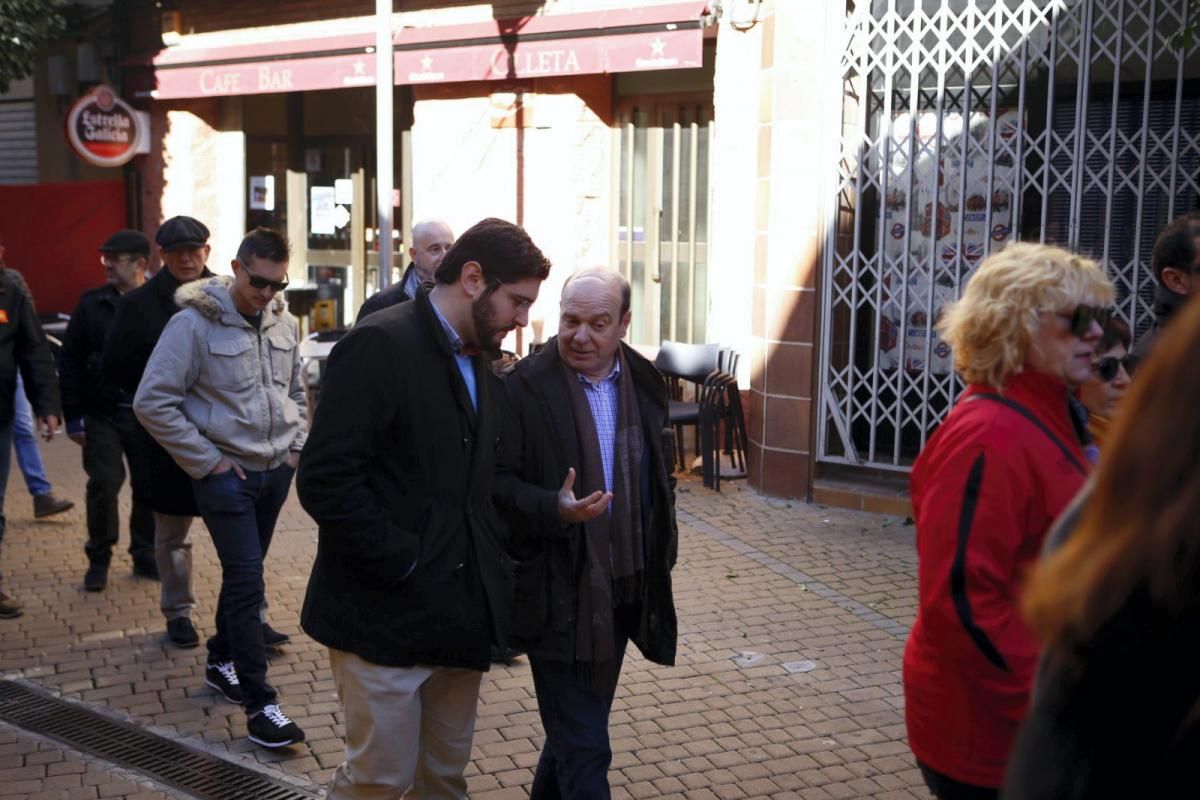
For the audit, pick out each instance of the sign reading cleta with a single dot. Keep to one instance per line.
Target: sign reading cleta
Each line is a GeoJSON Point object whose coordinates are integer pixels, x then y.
{"type": "Point", "coordinates": [102, 128]}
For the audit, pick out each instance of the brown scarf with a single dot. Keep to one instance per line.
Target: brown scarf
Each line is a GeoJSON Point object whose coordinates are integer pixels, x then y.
{"type": "Point", "coordinates": [615, 564]}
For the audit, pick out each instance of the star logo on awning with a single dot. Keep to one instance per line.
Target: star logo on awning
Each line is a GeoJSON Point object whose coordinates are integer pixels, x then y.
{"type": "Point", "coordinates": [657, 47]}
{"type": "Point", "coordinates": [360, 67]}
{"type": "Point", "coordinates": [427, 63]}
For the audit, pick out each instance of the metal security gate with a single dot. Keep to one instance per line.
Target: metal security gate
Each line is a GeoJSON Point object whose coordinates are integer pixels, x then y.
{"type": "Point", "coordinates": [969, 124]}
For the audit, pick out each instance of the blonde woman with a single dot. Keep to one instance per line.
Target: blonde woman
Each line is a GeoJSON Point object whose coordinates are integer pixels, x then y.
{"type": "Point", "coordinates": [1004, 463]}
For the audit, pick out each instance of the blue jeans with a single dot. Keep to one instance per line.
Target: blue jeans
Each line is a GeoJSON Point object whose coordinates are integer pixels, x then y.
{"type": "Point", "coordinates": [576, 754]}
{"type": "Point", "coordinates": [24, 440]}
{"type": "Point", "coordinates": [6, 431]}
{"type": "Point", "coordinates": [240, 516]}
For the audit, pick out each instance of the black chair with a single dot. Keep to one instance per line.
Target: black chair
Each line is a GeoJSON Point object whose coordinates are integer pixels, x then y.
{"type": "Point", "coordinates": [686, 363]}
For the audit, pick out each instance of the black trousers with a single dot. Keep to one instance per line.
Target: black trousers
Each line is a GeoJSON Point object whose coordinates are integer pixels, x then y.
{"type": "Point", "coordinates": [946, 788]}
{"type": "Point", "coordinates": [106, 443]}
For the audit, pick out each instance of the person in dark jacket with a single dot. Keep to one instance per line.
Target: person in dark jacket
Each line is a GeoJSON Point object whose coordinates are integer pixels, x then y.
{"type": "Point", "coordinates": [432, 239]}
{"type": "Point", "coordinates": [1175, 261]}
{"type": "Point", "coordinates": [1116, 709]}
{"type": "Point", "coordinates": [412, 584]}
{"type": "Point", "coordinates": [23, 347]}
{"type": "Point", "coordinates": [137, 325]}
{"type": "Point", "coordinates": [593, 573]}
{"type": "Point", "coordinates": [100, 416]}
{"type": "Point", "coordinates": [985, 490]}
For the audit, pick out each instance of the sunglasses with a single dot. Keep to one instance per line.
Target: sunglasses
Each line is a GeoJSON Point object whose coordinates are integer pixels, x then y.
{"type": "Point", "coordinates": [1106, 368]}
{"type": "Point", "coordinates": [1082, 317]}
{"type": "Point", "coordinates": [259, 282]}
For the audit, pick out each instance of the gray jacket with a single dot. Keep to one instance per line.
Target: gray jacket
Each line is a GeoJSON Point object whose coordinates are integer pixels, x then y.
{"type": "Point", "coordinates": [215, 386]}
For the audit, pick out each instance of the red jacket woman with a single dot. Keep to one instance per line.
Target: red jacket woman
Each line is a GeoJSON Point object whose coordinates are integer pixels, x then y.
{"type": "Point", "coordinates": [985, 490]}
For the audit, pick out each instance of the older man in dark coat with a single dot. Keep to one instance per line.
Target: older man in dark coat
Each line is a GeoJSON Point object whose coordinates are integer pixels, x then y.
{"type": "Point", "coordinates": [592, 573]}
{"type": "Point", "coordinates": [141, 315]}
{"type": "Point", "coordinates": [411, 584]}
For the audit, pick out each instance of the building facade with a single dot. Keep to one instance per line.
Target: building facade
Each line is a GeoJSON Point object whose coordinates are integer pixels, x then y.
{"type": "Point", "coordinates": [804, 181]}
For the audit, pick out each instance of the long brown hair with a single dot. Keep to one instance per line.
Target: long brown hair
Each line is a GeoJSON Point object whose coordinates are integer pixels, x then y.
{"type": "Point", "coordinates": [1140, 530]}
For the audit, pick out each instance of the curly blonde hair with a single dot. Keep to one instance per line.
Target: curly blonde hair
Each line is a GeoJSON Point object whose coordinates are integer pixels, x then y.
{"type": "Point", "coordinates": [992, 327]}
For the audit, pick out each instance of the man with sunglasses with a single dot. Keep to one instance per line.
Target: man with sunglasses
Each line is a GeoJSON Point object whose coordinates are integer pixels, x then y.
{"type": "Point", "coordinates": [223, 394]}
{"type": "Point", "coordinates": [100, 417]}
{"type": "Point", "coordinates": [1175, 261]}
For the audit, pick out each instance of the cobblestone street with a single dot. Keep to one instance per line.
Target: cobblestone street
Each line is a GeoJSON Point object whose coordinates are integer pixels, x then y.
{"type": "Point", "coordinates": [792, 625]}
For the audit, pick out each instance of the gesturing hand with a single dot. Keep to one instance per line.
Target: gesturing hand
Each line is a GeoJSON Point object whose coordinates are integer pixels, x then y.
{"type": "Point", "coordinates": [572, 510]}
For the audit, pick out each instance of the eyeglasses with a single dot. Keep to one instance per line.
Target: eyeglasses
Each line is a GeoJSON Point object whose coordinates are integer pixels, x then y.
{"type": "Point", "coordinates": [1082, 317]}
{"type": "Point", "coordinates": [117, 258]}
{"type": "Point", "coordinates": [1106, 368]}
{"type": "Point", "coordinates": [259, 282]}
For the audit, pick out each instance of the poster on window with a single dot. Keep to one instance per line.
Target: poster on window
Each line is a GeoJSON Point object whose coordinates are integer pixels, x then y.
{"type": "Point", "coordinates": [942, 213]}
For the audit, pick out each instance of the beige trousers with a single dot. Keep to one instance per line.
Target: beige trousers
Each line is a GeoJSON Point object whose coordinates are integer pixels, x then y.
{"type": "Point", "coordinates": [173, 553]}
{"type": "Point", "coordinates": [408, 730]}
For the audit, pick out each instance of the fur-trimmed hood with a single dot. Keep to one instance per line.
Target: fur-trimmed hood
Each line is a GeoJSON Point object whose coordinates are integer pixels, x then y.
{"type": "Point", "coordinates": [211, 297]}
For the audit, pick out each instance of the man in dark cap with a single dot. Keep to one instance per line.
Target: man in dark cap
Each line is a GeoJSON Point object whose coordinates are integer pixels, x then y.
{"type": "Point", "coordinates": [140, 318]}
{"type": "Point", "coordinates": [22, 346]}
{"type": "Point", "coordinates": [100, 417]}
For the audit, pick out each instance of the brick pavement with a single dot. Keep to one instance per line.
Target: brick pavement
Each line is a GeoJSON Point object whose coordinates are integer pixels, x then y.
{"type": "Point", "coordinates": [782, 583]}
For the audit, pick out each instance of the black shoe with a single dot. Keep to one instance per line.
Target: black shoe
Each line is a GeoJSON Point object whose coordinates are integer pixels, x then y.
{"type": "Point", "coordinates": [221, 676]}
{"type": "Point", "coordinates": [181, 633]}
{"type": "Point", "coordinates": [506, 656]}
{"type": "Point", "coordinates": [145, 568]}
{"type": "Point", "coordinates": [274, 638]}
{"type": "Point", "coordinates": [10, 608]}
{"type": "Point", "coordinates": [47, 505]}
{"type": "Point", "coordinates": [272, 728]}
{"type": "Point", "coordinates": [96, 577]}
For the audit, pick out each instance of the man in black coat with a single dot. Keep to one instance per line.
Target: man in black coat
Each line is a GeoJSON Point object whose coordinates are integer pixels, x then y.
{"type": "Point", "coordinates": [592, 574]}
{"type": "Point", "coordinates": [411, 583]}
{"type": "Point", "coordinates": [140, 318]}
{"type": "Point", "coordinates": [23, 346]}
{"type": "Point", "coordinates": [100, 415]}
{"type": "Point", "coordinates": [1175, 261]}
{"type": "Point", "coordinates": [432, 239]}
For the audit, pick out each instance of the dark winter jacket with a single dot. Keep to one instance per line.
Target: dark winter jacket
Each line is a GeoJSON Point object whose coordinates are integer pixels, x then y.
{"type": "Point", "coordinates": [539, 445]}
{"type": "Point", "coordinates": [411, 564]}
{"type": "Point", "coordinates": [23, 346]}
{"type": "Point", "coordinates": [1166, 303]}
{"type": "Point", "coordinates": [139, 321]}
{"type": "Point", "coordinates": [85, 389]}
{"type": "Point", "coordinates": [386, 297]}
{"type": "Point", "coordinates": [985, 491]}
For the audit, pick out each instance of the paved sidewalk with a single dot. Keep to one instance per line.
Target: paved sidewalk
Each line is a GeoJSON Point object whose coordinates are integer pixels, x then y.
{"type": "Point", "coordinates": [792, 623]}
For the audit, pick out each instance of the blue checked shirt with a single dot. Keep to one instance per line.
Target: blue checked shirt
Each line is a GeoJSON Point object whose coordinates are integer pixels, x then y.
{"type": "Point", "coordinates": [464, 362]}
{"type": "Point", "coordinates": [602, 399]}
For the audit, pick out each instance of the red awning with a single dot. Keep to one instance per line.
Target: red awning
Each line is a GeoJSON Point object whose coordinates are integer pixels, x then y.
{"type": "Point", "coordinates": [625, 40]}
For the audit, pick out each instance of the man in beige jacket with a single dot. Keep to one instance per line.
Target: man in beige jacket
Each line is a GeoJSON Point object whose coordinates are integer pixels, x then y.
{"type": "Point", "coordinates": [222, 394]}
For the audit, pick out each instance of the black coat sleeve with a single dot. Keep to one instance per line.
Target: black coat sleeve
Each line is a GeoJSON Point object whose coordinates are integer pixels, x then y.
{"type": "Point", "coordinates": [73, 364]}
{"type": "Point", "coordinates": [360, 398]}
{"type": "Point", "coordinates": [33, 356]}
{"type": "Point", "coordinates": [527, 507]}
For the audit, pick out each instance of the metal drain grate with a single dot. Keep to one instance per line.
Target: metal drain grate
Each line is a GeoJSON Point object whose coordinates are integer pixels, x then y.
{"type": "Point", "coordinates": [195, 772]}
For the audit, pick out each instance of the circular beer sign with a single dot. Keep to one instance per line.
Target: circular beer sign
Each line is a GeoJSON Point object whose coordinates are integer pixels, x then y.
{"type": "Point", "coordinates": [102, 129]}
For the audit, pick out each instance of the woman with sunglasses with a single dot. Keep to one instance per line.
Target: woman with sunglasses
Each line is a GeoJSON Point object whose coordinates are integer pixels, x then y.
{"type": "Point", "coordinates": [1101, 393]}
{"type": "Point", "coordinates": [1117, 707]}
{"type": "Point", "coordinates": [985, 489]}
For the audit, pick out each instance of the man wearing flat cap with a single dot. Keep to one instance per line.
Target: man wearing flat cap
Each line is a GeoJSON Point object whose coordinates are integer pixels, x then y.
{"type": "Point", "coordinates": [137, 325]}
{"type": "Point", "coordinates": [99, 415]}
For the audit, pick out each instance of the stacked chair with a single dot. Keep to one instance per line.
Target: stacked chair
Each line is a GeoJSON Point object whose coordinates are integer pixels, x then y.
{"type": "Point", "coordinates": [717, 408]}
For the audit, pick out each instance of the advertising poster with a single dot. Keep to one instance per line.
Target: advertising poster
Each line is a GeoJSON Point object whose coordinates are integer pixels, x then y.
{"type": "Point", "coordinates": [936, 212]}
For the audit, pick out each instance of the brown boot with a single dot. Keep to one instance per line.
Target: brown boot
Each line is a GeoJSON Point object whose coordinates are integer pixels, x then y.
{"type": "Point", "coordinates": [9, 608]}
